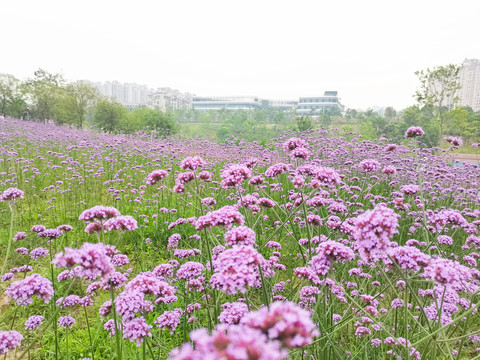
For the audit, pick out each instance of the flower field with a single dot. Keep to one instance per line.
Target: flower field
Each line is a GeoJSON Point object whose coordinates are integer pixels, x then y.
{"type": "Point", "coordinates": [315, 246]}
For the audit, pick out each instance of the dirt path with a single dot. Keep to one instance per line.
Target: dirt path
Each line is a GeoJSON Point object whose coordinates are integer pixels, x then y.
{"type": "Point", "coordinates": [467, 157]}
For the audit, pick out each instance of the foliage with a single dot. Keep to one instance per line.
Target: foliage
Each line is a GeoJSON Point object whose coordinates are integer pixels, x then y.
{"type": "Point", "coordinates": [314, 235]}
{"type": "Point", "coordinates": [73, 104]}
{"type": "Point", "coordinates": [44, 92]}
{"type": "Point", "coordinates": [108, 115]}
{"type": "Point", "coordinates": [304, 123]}
{"type": "Point", "coordinates": [11, 101]}
{"type": "Point", "coordinates": [438, 89]}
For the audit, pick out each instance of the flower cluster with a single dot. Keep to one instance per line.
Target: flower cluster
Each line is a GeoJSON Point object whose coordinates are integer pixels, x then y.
{"type": "Point", "coordinates": [237, 268]}
{"type": "Point", "coordinates": [9, 340]}
{"type": "Point", "coordinates": [92, 258]}
{"type": "Point", "coordinates": [99, 212]}
{"type": "Point", "coordinates": [156, 176]}
{"type": "Point", "coordinates": [225, 216]}
{"type": "Point", "coordinates": [23, 291]}
{"type": "Point", "coordinates": [373, 231]}
{"type": "Point", "coordinates": [229, 342]}
{"type": "Point", "coordinates": [414, 131]}
{"type": "Point", "coordinates": [11, 194]}
{"type": "Point", "coordinates": [283, 321]}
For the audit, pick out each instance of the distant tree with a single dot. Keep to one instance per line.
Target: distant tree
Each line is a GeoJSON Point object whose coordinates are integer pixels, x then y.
{"type": "Point", "coordinates": [438, 88]}
{"type": "Point", "coordinates": [424, 117]}
{"type": "Point", "coordinates": [304, 123]}
{"type": "Point", "coordinates": [108, 115]}
{"type": "Point", "coordinates": [73, 103]}
{"type": "Point", "coordinates": [367, 130]}
{"type": "Point", "coordinates": [332, 111]}
{"type": "Point", "coordinates": [456, 121]}
{"type": "Point", "coordinates": [44, 91]}
{"type": "Point", "coordinates": [11, 97]}
{"type": "Point", "coordinates": [223, 133]}
{"type": "Point", "coordinates": [351, 114]}
{"type": "Point", "coordinates": [390, 113]}
{"type": "Point", "coordinates": [325, 120]}
{"type": "Point", "coordinates": [161, 122]}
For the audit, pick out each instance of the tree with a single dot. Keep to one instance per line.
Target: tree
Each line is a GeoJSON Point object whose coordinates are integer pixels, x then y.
{"type": "Point", "coordinates": [161, 122]}
{"type": "Point", "coordinates": [44, 91]}
{"type": "Point", "coordinates": [390, 113]}
{"type": "Point", "coordinates": [325, 120]}
{"type": "Point", "coordinates": [304, 123]}
{"type": "Point", "coordinates": [11, 97]}
{"type": "Point", "coordinates": [108, 115]}
{"type": "Point", "coordinates": [73, 103]}
{"type": "Point", "coordinates": [438, 88]}
{"type": "Point", "coordinates": [424, 117]}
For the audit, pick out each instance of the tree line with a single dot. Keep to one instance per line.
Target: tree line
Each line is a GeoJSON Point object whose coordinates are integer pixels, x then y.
{"type": "Point", "coordinates": [49, 97]}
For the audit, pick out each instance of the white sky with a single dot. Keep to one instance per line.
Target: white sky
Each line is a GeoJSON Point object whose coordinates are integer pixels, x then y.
{"type": "Point", "coordinates": [368, 50]}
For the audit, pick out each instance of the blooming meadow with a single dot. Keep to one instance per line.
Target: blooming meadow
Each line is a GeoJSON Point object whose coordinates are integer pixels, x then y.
{"type": "Point", "coordinates": [315, 246]}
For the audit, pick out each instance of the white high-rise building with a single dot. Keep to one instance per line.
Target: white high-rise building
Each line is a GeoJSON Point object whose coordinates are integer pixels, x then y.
{"type": "Point", "coordinates": [129, 94]}
{"type": "Point", "coordinates": [169, 99]}
{"type": "Point", "coordinates": [469, 76]}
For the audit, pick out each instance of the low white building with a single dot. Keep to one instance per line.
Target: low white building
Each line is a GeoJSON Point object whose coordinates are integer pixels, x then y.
{"type": "Point", "coordinates": [316, 105]}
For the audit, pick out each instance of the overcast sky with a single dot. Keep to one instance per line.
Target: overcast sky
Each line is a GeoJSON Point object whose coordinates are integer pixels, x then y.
{"type": "Point", "coordinates": [367, 50]}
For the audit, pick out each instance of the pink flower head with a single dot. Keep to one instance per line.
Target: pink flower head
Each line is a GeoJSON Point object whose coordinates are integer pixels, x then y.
{"type": "Point", "coordinates": [448, 272]}
{"type": "Point", "coordinates": [225, 216]}
{"type": "Point", "coordinates": [233, 312]}
{"type": "Point", "coordinates": [408, 258]}
{"type": "Point", "coordinates": [93, 259]}
{"type": "Point", "coordinates": [66, 321]}
{"type": "Point", "coordinates": [190, 270]}
{"type": "Point", "coordinates": [122, 222]}
{"type": "Point", "coordinates": [240, 235]}
{"type": "Point", "coordinates": [293, 143]}
{"type": "Point", "coordinates": [11, 194]}
{"type": "Point", "coordinates": [283, 321]}
{"type": "Point", "coordinates": [300, 153]}
{"type": "Point", "coordinates": [455, 141]}
{"type": "Point", "coordinates": [147, 283]}
{"type": "Point", "coordinates": [99, 212]}
{"type": "Point", "coordinates": [275, 170]}
{"type": "Point", "coordinates": [169, 320]}
{"type": "Point", "coordinates": [22, 291]}
{"type": "Point", "coordinates": [192, 163]}
{"type": "Point", "coordinates": [237, 268]}
{"type": "Point", "coordinates": [9, 340]}
{"type": "Point", "coordinates": [50, 233]}
{"type": "Point", "coordinates": [233, 342]}
{"type": "Point", "coordinates": [93, 228]}
{"type": "Point", "coordinates": [205, 175]}
{"type": "Point", "coordinates": [65, 228]}
{"type": "Point", "coordinates": [38, 228]}
{"type": "Point", "coordinates": [327, 175]}
{"type": "Point", "coordinates": [19, 236]}
{"type": "Point", "coordinates": [155, 176]}
{"type": "Point", "coordinates": [136, 330]}
{"type": "Point", "coordinates": [373, 231]}
{"type": "Point", "coordinates": [370, 165]}
{"type": "Point", "coordinates": [235, 174]}
{"type": "Point", "coordinates": [410, 189]}
{"type": "Point", "coordinates": [33, 322]}
{"type": "Point", "coordinates": [389, 170]}
{"type": "Point", "coordinates": [414, 131]}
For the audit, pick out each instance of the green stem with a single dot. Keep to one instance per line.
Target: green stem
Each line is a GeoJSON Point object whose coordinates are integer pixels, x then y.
{"type": "Point", "coordinates": [10, 240]}
{"type": "Point", "coordinates": [117, 333]}
{"type": "Point", "coordinates": [89, 333]}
